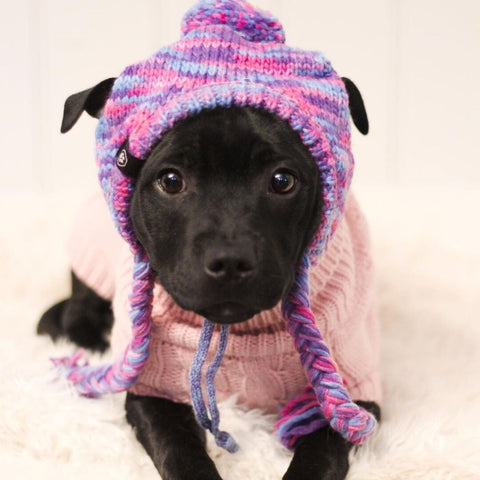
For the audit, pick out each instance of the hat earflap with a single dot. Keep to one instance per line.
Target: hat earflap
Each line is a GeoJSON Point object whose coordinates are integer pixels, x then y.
{"type": "Point", "coordinates": [354, 423]}
{"type": "Point", "coordinates": [94, 381]}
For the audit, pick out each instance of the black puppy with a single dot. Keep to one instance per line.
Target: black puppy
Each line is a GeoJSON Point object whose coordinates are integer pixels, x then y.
{"type": "Point", "coordinates": [225, 238]}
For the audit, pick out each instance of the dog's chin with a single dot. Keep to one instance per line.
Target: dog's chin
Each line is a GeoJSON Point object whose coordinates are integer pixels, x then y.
{"type": "Point", "coordinates": [227, 313]}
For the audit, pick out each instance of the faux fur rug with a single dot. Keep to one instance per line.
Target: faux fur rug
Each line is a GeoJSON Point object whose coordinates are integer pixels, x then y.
{"type": "Point", "coordinates": [426, 246]}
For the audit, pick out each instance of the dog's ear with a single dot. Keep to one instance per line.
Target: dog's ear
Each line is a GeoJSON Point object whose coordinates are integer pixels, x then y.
{"type": "Point", "coordinates": [91, 101]}
{"type": "Point", "coordinates": [357, 107]}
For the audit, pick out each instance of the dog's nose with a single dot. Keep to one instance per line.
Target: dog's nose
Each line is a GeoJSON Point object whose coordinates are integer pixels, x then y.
{"type": "Point", "coordinates": [229, 265]}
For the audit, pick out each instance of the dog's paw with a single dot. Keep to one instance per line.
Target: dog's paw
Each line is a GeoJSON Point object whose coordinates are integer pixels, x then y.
{"type": "Point", "coordinates": [320, 455]}
{"type": "Point", "coordinates": [88, 336]}
{"type": "Point", "coordinates": [316, 470]}
{"type": "Point", "coordinates": [51, 321]}
{"type": "Point", "coordinates": [83, 325]}
{"type": "Point", "coordinates": [199, 468]}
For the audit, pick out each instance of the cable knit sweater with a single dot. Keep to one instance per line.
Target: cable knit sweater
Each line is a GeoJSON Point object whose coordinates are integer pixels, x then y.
{"type": "Point", "coordinates": [261, 364]}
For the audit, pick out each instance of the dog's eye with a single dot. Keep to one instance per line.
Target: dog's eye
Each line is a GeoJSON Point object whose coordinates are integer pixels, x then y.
{"type": "Point", "coordinates": [283, 182]}
{"type": "Point", "coordinates": [170, 181]}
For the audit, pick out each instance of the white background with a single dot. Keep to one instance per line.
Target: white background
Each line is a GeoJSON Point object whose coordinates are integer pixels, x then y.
{"type": "Point", "coordinates": [415, 61]}
{"type": "Point", "coordinates": [417, 65]}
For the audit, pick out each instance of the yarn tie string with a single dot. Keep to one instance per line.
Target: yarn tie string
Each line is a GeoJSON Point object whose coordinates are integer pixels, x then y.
{"type": "Point", "coordinates": [201, 409]}
{"type": "Point", "coordinates": [354, 423]}
{"type": "Point", "coordinates": [93, 381]}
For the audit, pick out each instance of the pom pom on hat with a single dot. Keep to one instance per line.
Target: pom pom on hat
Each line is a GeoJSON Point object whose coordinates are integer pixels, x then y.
{"type": "Point", "coordinates": [252, 24]}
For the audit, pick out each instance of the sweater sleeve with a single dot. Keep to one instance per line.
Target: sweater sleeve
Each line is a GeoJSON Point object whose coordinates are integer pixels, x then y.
{"type": "Point", "coordinates": [92, 246]}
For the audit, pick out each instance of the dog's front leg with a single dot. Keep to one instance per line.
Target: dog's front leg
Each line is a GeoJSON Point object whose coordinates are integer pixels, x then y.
{"type": "Point", "coordinates": [172, 437]}
{"type": "Point", "coordinates": [323, 454]}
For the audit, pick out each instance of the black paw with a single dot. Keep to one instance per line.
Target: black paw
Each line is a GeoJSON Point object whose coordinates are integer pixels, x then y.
{"type": "Point", "coordinates": [51, 321]}
{"type": "Point", "coordinates": [172, 437]}
{"type": "Point", "coordinates": [196, 468]}
{"type": "Point", "coordinates": [85, 318]}
{"type": "Point", "coordinates": [87, 329]}
{"type": "Point", "coordinates": [319, 468]}
{"type": "Point", "coordinates": [78, 322]}
{"type": "Point", "coordinates": [320, 455]}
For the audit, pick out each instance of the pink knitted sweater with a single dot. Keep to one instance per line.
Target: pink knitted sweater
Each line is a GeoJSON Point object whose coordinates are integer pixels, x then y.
{"type": "Point", "coordinates": [261, 364]}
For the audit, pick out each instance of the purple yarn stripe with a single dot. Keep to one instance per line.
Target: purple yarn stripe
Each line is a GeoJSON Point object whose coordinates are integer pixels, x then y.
{"type": "Point", "coordinates": [222, 439]}
{"type": "Point", "coordinates": [353, 422]}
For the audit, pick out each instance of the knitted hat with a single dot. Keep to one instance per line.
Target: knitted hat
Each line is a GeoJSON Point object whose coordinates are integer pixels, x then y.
{"type": "Point", "coordinates": [230, 54]}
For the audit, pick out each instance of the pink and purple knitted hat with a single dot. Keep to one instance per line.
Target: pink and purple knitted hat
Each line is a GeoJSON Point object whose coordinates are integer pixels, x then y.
{"type": "Point", "coordinates": [231, 54]}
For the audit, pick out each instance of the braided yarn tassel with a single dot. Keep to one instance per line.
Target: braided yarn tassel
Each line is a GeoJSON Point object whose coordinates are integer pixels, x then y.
{"type": "Point", "coordinates": [301, 416]}
{"type": "Point", "coordinates": [222, 439]}
{"type": "Point", "coordinates": [354, 423]}
{"type": "Point", "coordinates": [94, 381]}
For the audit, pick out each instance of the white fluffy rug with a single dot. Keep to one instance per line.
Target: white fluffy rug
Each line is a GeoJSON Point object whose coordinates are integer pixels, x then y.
{"type": "Point", "coordinates": [428, 258]}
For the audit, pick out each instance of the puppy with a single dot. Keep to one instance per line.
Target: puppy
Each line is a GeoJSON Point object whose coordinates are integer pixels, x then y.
{"type": "Point", "coordinates": [230, 252]}
{"type": "Point", "coordinates": [219, 214]}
